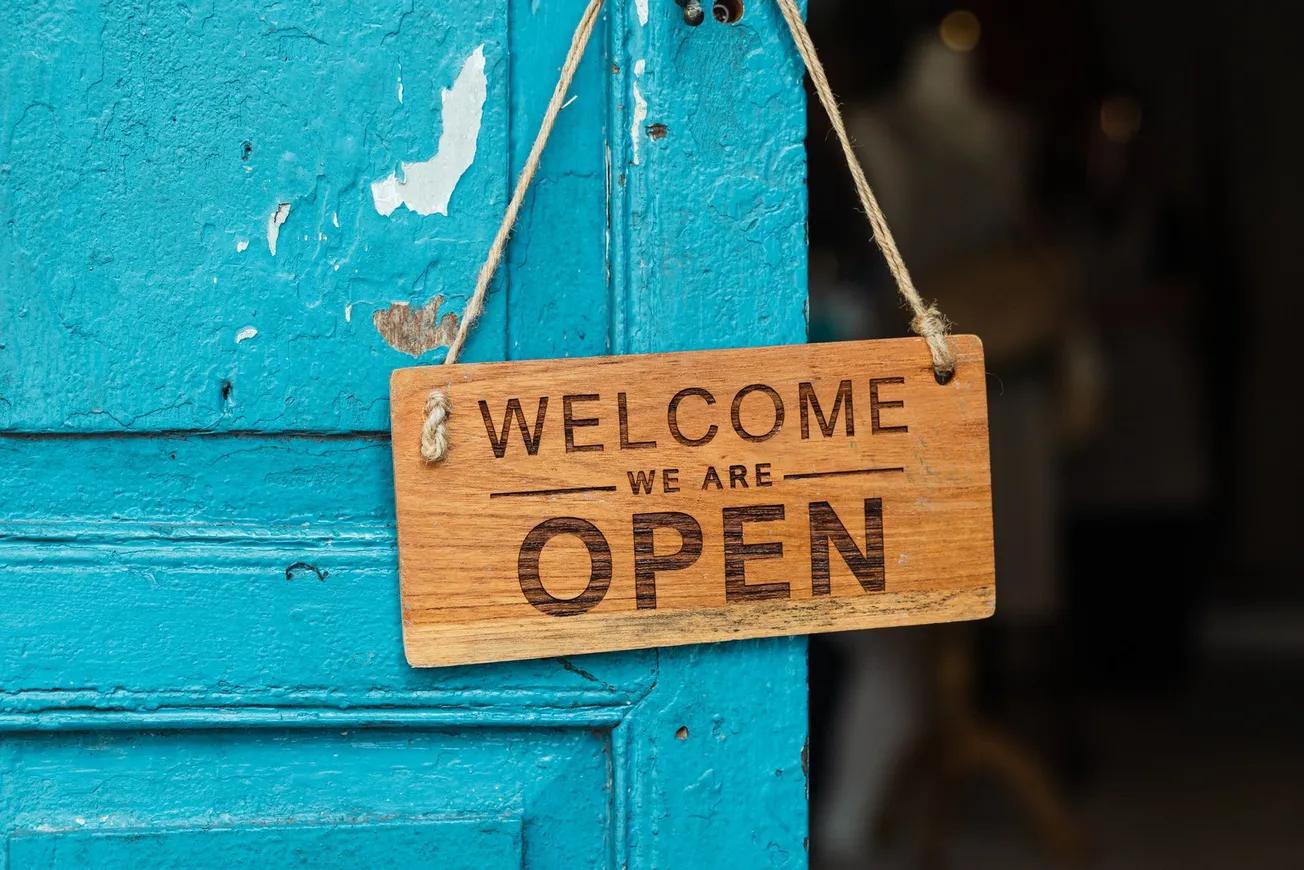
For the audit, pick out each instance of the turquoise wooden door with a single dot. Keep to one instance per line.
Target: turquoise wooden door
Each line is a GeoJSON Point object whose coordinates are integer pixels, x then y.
{"type": "Point", "coordinates": [203, 208]}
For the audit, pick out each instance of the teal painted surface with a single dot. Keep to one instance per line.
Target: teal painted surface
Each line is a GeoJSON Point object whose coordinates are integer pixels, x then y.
{"type": "Point", "coordinates": [199, 621]}
{"type": "Point", "coordinates": [447, 844]}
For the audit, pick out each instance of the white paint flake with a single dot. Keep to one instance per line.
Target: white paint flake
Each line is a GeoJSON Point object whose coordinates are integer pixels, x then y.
{"type": "Point", "coordinates": [642, 11]}
{"type": "Point", "coordinates": [640, 115]}
{"type": "Point", "coordinates": [274, 225]}
{"type": "Point", "coordinates": [427, 186]}
{"type": "Point", "coordinates": [241, 245]}
{"type": "Point", "coordinates": [400, 90]}
{"type": "Point", "coordinates": [348, 312]}
{"type": "Point", "coordinates": [335, 218]}
{"type": "Point", "coordinates": [247, 332]}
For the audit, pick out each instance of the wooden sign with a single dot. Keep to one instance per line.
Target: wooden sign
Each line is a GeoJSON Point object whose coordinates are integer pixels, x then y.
{"type": "Point", "coordinates": [624, 502]}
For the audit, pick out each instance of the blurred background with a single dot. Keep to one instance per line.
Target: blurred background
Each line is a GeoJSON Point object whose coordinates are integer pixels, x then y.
{"type": "Point", "coordinates": [1106, 191]}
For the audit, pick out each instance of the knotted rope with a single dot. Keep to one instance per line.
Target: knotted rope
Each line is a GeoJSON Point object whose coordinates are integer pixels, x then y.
{"type": "Point", "coordinates": [927, 322]}
{"type": "Point", "coordinates": [434, 434]}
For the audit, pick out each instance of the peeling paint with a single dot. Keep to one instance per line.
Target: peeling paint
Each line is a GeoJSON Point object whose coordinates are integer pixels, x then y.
{"type": "Point", "coordinates": [241, 245]}
{"type": "Point", "coordinates": [415, 332]}
{"type": "Point", "coordinates": [274, 225]}
{"type": "Point", "coordinates": [606, 228]}
{"type": "Point", "coordinates": [348, 313]}
{"type": "Point", "coordinates": [640, 111]}
{"type": "Point", "coordinates": [247, 332]}
{"type": "Point", "coordinates": [640, 115]}
{"type": "Point", "coordinates": [428, 185]}
{"type": "Point", "coordinates": [400, 90]}
{"type": "Point", "coordinates": [335, 218]}
{"type": "Point", "coordinates": [641, 5]}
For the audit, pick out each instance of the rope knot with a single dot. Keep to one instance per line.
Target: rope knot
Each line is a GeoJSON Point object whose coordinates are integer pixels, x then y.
{"type": "Point", "coordinates": [931, 325]}
{"type": "Point", "coordinates": [434, 433]}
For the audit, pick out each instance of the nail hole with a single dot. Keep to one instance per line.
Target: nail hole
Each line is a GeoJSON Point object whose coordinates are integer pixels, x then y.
{"type": "Point", "coordinates": [693, 14]}
{"type": "Point", "coordinates": [657, 131]}
{"type": "Point", "coordinates": [682, 733]}
{"type": "Point", "coordinates": [246, 148]}
{"type": "Point", "coordinates": [226, 391]}
{"type": "Point", "coordinates": [727, 11]}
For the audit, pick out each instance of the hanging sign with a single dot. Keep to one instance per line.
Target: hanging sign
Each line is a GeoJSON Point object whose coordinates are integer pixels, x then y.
{"type": "Point", "coordinates": [588, 505]}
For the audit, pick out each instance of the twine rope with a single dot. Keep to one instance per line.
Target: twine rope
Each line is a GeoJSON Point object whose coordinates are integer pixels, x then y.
{"type": "Point", "coordinates": [927, 322]}
{"type": "Point", "coordinates": [434, 433]}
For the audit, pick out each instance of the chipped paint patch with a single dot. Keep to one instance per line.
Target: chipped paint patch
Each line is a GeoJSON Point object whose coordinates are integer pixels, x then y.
{"type": "Point", "coordinates": [241, 245]}
{"type": "Point", "coordinates": [428, 185]}
{"type": "Point", "coordinates": [415, 332]}
{"type": "Point", "coordinates": [348, 312]}
{"type": "Point", "coordinates": [640, 111]}
{"type": "Point", "coordinates": [274, 225]}
{"type": "Point", "coordinates": [400, 90]}
{"type": "Point", "coordinates": [641, 5]}
{"type": "Point", "coordinates": [247, 332]}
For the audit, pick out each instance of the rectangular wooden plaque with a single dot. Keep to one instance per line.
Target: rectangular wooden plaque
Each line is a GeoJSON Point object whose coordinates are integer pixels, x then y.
{"type": "Point", "coordinates": [623, 502]}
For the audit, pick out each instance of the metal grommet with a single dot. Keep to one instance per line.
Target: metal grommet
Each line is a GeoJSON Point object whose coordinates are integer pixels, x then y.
{"type": "Point", "coordinates": [693, 14]}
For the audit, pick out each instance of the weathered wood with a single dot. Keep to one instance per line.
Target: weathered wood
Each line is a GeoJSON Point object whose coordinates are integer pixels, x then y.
{"type": "Point", "coordinates": [636, 501]}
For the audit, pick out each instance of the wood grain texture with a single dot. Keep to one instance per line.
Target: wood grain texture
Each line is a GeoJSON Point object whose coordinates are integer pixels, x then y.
{"type": "Point", "coordinates": [636, 501]}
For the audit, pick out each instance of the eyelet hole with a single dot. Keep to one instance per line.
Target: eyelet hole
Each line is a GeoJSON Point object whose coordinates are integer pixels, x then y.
{"type": "Point", "coordinates": [727, 11]}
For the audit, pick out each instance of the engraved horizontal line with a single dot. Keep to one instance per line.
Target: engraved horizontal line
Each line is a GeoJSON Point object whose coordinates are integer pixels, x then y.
{"type": "Point", "coordinates": [565, 491]}
{"type": "Point", "coordinates": [811, 475]}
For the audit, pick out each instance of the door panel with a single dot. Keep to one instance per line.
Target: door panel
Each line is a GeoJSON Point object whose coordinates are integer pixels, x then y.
{"type": "Point", "coordinates": [200, 643]}
{"type": "Point", "coordinates": [448, 844]}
